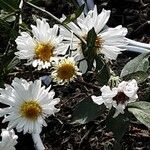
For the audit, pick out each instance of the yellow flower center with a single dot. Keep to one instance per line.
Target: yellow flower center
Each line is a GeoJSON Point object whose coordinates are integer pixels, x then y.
{"type": "Point", "coordinates": [31, 110]}
{"type": "Point", "coordinates": [66, 71]}
{"type": "Point", "coordinates": [98, 42]}
{"type": "Point", "coordinates": [44, 51]}
{"type": "Point", "coordinates": [98, 45]}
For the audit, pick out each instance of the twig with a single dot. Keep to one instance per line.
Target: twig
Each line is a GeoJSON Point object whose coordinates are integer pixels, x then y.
{"type": "Point", "coordinates": [85, 136]}
{"type": "Point", "coordinates": [88, 84]}
{"type": "Point", "coordinates": [141, 28]}
{"type": "Point", "coordinates": [143, 4]}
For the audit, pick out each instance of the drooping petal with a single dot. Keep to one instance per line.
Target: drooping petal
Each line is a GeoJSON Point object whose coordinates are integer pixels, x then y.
{"type": "Point", "coordinates": [98, 99]}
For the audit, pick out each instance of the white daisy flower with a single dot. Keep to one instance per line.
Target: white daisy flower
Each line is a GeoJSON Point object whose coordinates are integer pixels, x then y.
{"type": "Point", "coordinates": [9, 140]}
{"type": "Point", "coordinates": [65, 71]}
{"type": "Point", "coordinates": [29, 103]}
{"type": "Point", "coordinates": [118, 97]}
{"type": "Point", "coordinates": [109, 41]}
{"type": "Point", "coordinates": [43, 47]}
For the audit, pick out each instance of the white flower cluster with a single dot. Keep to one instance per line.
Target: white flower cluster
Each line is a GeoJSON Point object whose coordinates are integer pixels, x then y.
{"type": "Point", "coordinates": [49, 46]}
{"type": "Point", "coordinates": [29, 103]}
{"type": "Point", "coordinates": [118, 97]}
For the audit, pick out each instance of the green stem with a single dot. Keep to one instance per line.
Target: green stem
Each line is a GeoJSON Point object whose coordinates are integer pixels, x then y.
{"type": "Point", "coordinates": [9, 15]}
{"type": "Point", "coordinates": [9, 41]}
{"type": "Point", "coordinates": [56, 19]}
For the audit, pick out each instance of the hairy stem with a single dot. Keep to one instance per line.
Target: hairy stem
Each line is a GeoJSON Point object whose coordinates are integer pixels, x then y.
{"type": "Point", "coordinates": [37, 142]}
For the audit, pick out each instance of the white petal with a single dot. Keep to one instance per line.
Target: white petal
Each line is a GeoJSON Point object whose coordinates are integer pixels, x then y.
{"type": "Point", "coordinates": [102, 20]}
{"type": "Point", "coordinates": [111, 52]}
{"type": "Point", "coordinates": [97, 99]}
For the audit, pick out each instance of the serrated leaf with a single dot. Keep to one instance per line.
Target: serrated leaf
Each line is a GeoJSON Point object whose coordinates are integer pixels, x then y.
{"type": "Point", "coordinates": [141, 110]}
{"type": "Point", "coordinates": [136, 66]}
{"type": "Point", "coordinates": [86, 111]}
{"type": "Point", "coordinates": [9, 5]}
{"type": "Point", "coordinates": [74, 16]}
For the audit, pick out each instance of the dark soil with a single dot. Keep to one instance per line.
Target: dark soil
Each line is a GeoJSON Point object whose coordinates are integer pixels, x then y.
{"type": "Point", "coordinates": [60, 134]}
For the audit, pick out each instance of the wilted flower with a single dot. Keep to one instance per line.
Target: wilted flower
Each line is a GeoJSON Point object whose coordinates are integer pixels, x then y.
{"type": "Point", "coordinates": [109, 41]}
{"type": "Point", "coordinates": [43, 47]}
{"type": "Point", "coordinates": [118, 97]}
{"type": "Point", "coordinates": [9, 140]}
{"type": "Point", "coordinates": [65, 71]}
{"type": "Point", "coordinates": [29, 104]}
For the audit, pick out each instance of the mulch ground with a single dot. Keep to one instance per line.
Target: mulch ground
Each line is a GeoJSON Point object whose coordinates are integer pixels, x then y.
{"type": "Point", "coordinates": [60, 134]}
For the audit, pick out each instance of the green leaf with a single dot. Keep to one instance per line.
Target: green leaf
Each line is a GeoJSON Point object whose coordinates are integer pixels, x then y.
{"type": "Point", "coordinates": [9, 5]}
{"type": "Point", "coordinates": [141, 110]}
{"type": "Point", "coordinates": [102, 71]}
{"type": "Point", "coordinates": [118, 125]}
{"type": "Point", "coordinates": [89, 51]}
{"type": "Point", "coordinates": [86, 111]}
{"type": "Point", "coordinates": [9, 62]}
{"type": "Point", "coordinates": [12, 64]}
{"type": "Point", "coordinates": [142, 115]}
{"type": "Point", "coordinates": [75, 15]}
{"type": "Point", "coordinates": [141, 104]}
{"type": "Point", "coordinates": [139, 76]}
{"type": "Point", "coordinates": [136, 68]}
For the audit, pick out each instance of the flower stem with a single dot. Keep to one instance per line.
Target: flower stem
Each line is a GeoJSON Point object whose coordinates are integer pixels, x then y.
{"type": "Point", "coordinates": [136, 46]}
{"type": "Point", "coordinates": [37, 142]}
{"type": "Point", "coordinates": [137, 49]}
{"type": "Point", "coordinates": [56, 19]}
